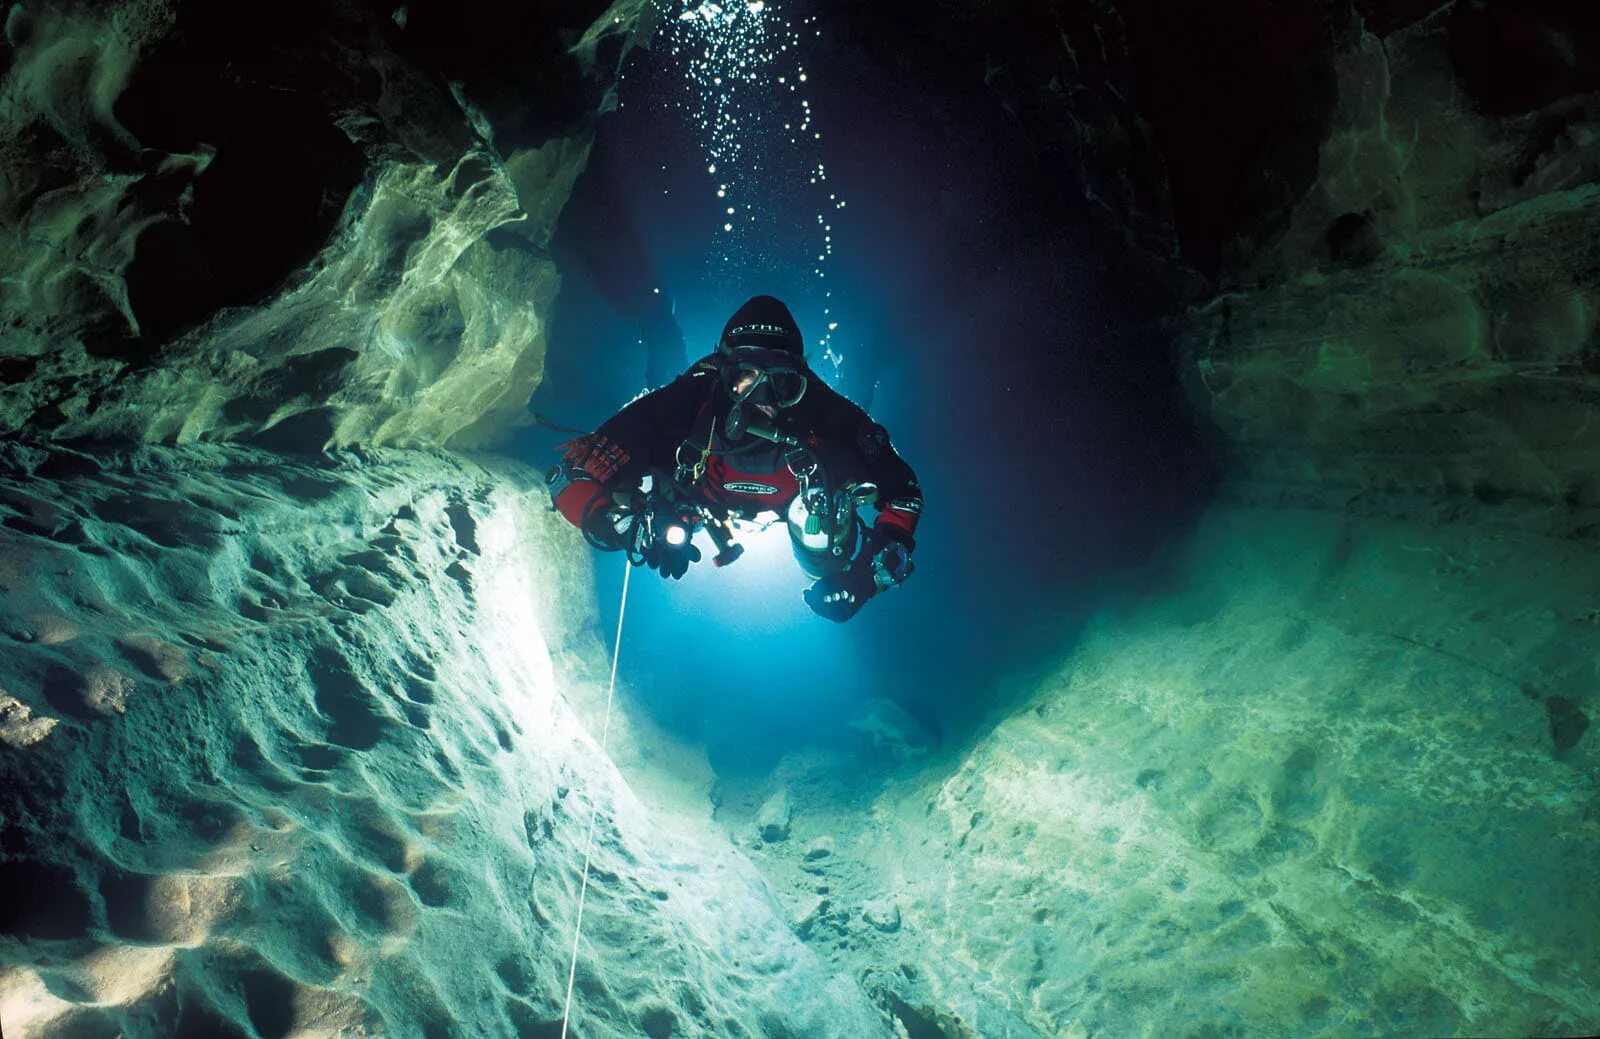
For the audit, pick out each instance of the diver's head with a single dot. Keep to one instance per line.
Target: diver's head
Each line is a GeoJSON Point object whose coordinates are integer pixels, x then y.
{"type": "Point", "coordinates": [761, 358]}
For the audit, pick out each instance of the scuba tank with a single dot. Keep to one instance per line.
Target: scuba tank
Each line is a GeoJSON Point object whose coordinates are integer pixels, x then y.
{"type": "Point", "coordinates": [824, 530]}
{"type": "Point", "coordinates": [825, 542]}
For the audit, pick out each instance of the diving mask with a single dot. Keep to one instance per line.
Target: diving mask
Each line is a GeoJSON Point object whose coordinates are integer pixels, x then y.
{"type": "Point", "coordinates": [768, 377]}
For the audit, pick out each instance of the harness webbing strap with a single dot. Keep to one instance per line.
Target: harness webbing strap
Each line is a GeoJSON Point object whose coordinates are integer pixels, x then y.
{"type": "Point", "coordinates": [698, 469]}
{"type": "Point", "coordinates": [594, 807]}
{"type": "Point", "coordinates": [691, 455]}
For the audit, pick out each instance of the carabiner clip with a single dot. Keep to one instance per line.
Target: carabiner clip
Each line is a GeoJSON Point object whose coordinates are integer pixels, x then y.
{"type": "Point", "coordinates": [803, 456]}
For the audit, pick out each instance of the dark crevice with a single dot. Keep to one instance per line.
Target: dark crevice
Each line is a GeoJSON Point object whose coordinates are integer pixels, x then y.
{"type": "Point", "coordinates": [307, 433]}
{"type": "Point", "coordinates": [1568, 722]}
{"type": "Point", "coordinates": [514, 63]}
{"type": "Point", "coordinates": [1516, 56]}
{"type": "Point", "coordinates": [252, 102]}
{"type": "Point", "coordinates": [269, 1000]}
{"type": "Point", "coordinates": [918, 1025]}
{"type": "Point", "coordinates": [127, 902]}
{"type": "Point", "coordinates": [355, 721]}
{"type": "Point", "coordinates": [16, 370]}
{"type": "Point", "coordinates": [464, 526]}
{"type": "Point", "coordinates": [41, 900]}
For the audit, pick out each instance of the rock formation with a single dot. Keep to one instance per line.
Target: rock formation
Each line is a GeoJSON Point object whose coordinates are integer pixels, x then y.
{"type": "Point", "coordinates": [1425, 321]}
{"type": "Point", "coordinates": [314, 227]}
{"type": "Point", "coordinates": [290, 747]}
{"type": "Point", "coordinates": [289, 750]}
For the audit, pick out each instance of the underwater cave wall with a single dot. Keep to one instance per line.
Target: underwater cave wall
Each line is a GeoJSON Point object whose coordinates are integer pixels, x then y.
{"type": "Point", "coordinates": [1368, 225]}
{"type": "Point", "coordinates": [1328, 767]}
{"type": "Point", "coordinates": [299, 743]}
{"type": "Point", "coordinates": [288, 750]}
{"type": "Point", "coordinates": [290, 746]}
{"type": "Point", "coordinates": [1428, 319]}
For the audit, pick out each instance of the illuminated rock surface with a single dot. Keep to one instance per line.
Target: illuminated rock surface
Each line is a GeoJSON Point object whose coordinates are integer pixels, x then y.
{"type": "Point", "coordinates": [1336, 779]}
{"type": "Point", "coordinates": [289, 751]}
{"type": "Point", "coordinates": [1334, 782]}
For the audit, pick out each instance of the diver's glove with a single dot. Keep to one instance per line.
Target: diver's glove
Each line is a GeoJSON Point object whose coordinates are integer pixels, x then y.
{"type": "Point", "coordinates": [837, 597]}
{"type": "Point", "coordinates": [662, 540]}
{"type": "Point", "coordinates": [883, 562]}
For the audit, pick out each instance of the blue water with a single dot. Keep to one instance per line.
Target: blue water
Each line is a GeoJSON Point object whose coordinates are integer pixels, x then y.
{"type": "Point", "coordinates": [978, 326]}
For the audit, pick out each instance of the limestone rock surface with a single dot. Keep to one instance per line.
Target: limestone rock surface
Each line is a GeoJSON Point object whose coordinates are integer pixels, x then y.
{"type": "Point", "coordinates": [841, 873]}
{"type": "Point", "coordinates": [1369, 225]}
{"type": "Point", "coordinates": [772, 821]}
{"type": "Point", "coordinates": [1338, 779]}
{"type": "Point", "coordinates": [1426, 318]}
{"type": "Point", "coordinates": [288, 750]}
{"type": "Point", "coordinates": [883, 914]}
{"type": "Point", "coordinates": [325, 227]}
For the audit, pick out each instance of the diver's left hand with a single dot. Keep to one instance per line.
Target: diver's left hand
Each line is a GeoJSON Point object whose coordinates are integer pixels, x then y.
{"type": "Point", "coordinates": [838, 597]}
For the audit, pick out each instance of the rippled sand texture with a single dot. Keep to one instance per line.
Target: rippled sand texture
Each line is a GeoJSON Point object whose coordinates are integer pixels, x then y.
{"type": "Point", "coordinates": [1334, 780]}
{"type": "Point", "coordinates": [286, 755]}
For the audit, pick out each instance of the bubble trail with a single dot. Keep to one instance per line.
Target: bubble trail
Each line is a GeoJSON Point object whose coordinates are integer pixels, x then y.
{"type": "Point", "coordinates": [745, 83]}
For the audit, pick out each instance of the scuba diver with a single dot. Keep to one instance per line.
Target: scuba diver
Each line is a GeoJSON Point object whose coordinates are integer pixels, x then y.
{"type": "Point", "coordinates": [747, 430]}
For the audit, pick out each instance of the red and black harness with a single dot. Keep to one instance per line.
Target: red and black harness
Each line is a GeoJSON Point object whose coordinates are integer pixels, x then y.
{"type": "Point", "coordinates": [716, 480]}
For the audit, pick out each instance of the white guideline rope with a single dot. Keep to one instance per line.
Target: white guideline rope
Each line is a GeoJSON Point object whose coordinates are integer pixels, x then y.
{"type": "Point", "coordinates": [594, 803]}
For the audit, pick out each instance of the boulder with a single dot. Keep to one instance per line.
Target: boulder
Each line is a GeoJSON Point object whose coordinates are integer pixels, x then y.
{"type": "Point", "coordinates": [772, 821]}
{"type": "Point", "coordinates": [882, 914]}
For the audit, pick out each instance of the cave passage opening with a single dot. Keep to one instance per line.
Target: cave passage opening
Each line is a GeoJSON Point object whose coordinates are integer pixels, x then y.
{"type": "Point", "coordinates": [943, 281]}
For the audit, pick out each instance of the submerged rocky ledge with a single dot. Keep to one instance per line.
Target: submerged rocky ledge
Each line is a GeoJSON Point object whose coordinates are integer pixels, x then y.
{"type": "Point", "coordinates": [290, 750]}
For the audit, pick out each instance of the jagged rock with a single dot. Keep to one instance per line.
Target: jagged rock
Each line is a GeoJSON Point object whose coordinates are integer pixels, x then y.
{"type": "Point", "coordinates": [1424, 323]}
{"type": "Point", "coordinates": [386, 758]}
{"type": "Point", "coordinates": [772, 821]}
{"type": "Point", "coordinates": [104, 690]}
{"type": "Point", "coordinates": [19, 726]}
{"type": "Point", "coordinates": [891, 728]}
{"type": "Point", "coordinates": [808, 914]}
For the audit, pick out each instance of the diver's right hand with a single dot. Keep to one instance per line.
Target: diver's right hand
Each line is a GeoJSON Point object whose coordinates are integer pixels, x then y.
{"type": "Point", "coordinates": [667, 559]}
{"type": "Point", "coordinates": [664, 542]}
